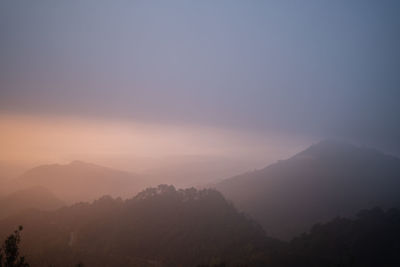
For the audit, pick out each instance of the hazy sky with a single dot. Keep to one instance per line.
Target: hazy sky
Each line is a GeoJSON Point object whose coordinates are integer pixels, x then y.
{"type": "Point", "coordinates": [311, 69]}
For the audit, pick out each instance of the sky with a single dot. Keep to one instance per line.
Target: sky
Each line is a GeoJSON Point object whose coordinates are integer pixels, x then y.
{"type": "Point", "coordinates": [197, 77]}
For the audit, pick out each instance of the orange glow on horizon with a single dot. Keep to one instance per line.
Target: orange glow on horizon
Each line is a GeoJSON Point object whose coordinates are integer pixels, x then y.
{"type": "Point", "coordinates": [46, 139]}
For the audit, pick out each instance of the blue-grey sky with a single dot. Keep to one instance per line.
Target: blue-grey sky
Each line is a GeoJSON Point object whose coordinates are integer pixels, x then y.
{"type": "Point", "coordinates": [312, 68]}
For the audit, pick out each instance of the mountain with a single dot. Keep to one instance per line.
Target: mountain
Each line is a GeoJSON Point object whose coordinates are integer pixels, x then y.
{"type": "Point", "coordinates": [9, 170]}
{"type": "Point", "coordinates": [158, 227]}
{"type": "Point", "coordinates": [3, 182]}
{"type": "Point", "coordinates": [326, 180]}
{"type": "Point", "coordinates": [80, 181]}
{"type": "Point", "coordinates": [31, 198]}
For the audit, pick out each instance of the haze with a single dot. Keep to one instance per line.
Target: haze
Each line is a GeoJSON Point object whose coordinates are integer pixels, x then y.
{"type": "Point", "coordinates": [314, 70]}
{"type": "Point", "coordinates": [199, 133]}
{"type": "Point", "coordinates": [34, 140]}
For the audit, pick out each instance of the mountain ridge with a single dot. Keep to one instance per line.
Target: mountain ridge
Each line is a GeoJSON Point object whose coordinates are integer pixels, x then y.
{"type": "Point", "coordinates": [81, 181]}
{"type": "Point", "coordinates": [36, 197]}
{"type": "Point", "coordinates": [327, 179]}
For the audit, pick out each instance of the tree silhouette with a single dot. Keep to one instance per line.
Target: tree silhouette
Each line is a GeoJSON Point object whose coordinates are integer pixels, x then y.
{"type": "Point", "coordinates": [9, 252]}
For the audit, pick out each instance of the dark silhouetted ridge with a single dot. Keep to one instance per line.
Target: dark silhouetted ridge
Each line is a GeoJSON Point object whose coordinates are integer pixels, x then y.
{"type": "Point", "coordinates": [160, 225]}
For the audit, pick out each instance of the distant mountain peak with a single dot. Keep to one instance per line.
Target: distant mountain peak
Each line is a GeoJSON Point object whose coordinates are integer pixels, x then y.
{"type": "Point", "coordinates": [81, 181]}
{"type": "Point", "coordinates": [79, 162]}
{"type": "Point", "coordinates": [84, 164]}
{"type": "Point", "coordinates": [330, 144]}
{"type": "Point", "coordinates": [335, 148]}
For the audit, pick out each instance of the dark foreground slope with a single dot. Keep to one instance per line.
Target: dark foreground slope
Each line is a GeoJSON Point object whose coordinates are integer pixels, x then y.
{"type": "Point", "coordinates": [328, 179]}
{"type": "Point", "coordinates": [165, 227]}
{"type": "Point", "coordinates": [160, 226]}
{"type": "Point", "coordinates": [371, 239]}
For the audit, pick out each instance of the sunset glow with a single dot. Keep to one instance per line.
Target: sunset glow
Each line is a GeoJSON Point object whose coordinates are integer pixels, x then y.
{"type": "Point", "coordinates": [199, 133]}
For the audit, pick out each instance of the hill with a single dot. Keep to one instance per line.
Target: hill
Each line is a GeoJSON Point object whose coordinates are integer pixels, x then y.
{"type": "Point", "coordinates": [328, 179]}
{"type": "Point", "coordinates": [159, 227]}
{"type": "Point", "coordinates": [372, 239]}
{"type": "Point", "coordinates": [8, 171]}
{"type": "Point", "coordinates": [32, 198]}
{"type": "Point", "coordinates": [80, 181]}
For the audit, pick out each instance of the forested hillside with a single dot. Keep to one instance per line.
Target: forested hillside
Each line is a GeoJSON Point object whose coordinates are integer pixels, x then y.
{"type": "Point", "coordinates": [160, 226]}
